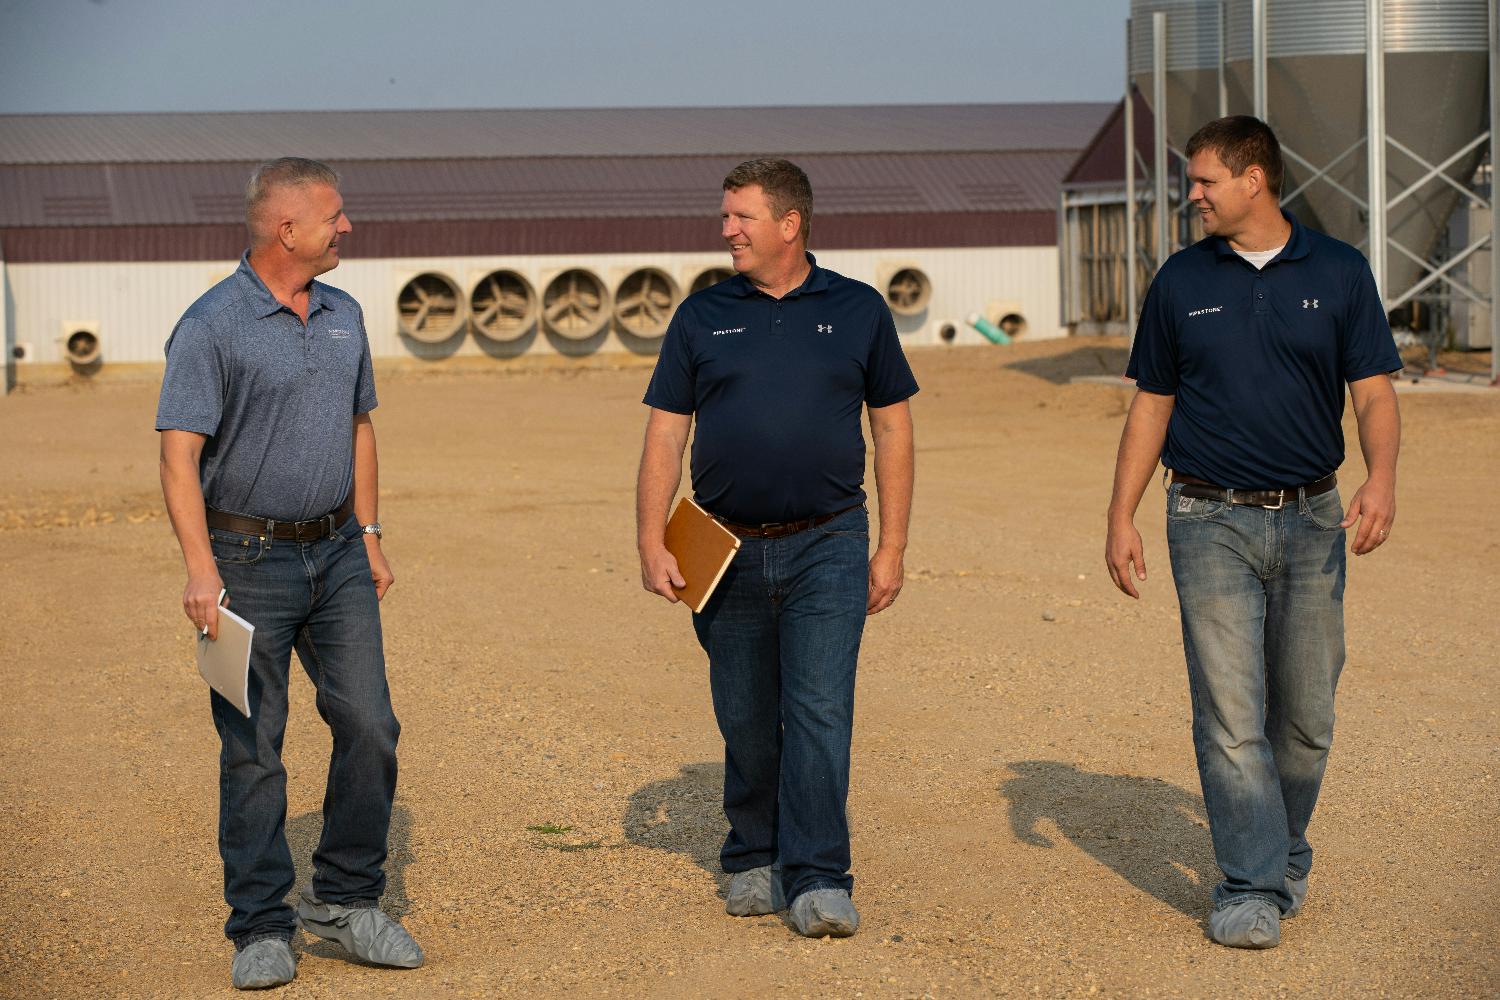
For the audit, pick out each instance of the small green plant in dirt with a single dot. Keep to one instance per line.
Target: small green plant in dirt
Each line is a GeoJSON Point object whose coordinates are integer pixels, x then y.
{"type": "Point", "coordinates": [551, 829]}
{"type": "Point", "coordinates": [557, 829]}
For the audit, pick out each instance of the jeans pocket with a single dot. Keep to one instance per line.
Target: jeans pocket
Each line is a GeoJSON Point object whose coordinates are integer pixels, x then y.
{"type": "Point", "coordinates": [1181, 508]}
{"type": "Point", "coordinates": [1325, 511]}
{"type": "Point", "coordinates": [236, 547]}
{"type": "Point", "coordinates": [349, 532]}
{"type": "Point", "coordinates": [854, 523]}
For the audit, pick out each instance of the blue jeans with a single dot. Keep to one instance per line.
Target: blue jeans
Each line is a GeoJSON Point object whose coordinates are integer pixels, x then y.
{"type": "Point", "coordinates": [782, 635]}
{"type": "Point", "coordinates": [318, 598]}
{"type": "Point", "coordinates": [1262, 597]}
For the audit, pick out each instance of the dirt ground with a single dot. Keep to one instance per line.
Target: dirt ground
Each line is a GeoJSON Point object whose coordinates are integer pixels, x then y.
{"type": "Point", "coordinates": [1025, 808]}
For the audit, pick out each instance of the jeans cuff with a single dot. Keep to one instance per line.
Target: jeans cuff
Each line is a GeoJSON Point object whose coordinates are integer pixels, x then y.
{"type": "Point", "coordinates": [332, 897]}
{"type": "Point", "coordinates": [241, 944]}
{"type": "Point", "coordinates": [817, 884]}
{"type": "Point", "coordinates": [1241, 897]}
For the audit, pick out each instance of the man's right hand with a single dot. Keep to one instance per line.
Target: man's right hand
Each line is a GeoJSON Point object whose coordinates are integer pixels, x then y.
{"type": "Point", "coordinates": [659, 572]}
{"type": "Point", "coordinates": [1122, 551]}
{"type": "Point", "coordinates": [200, 601]}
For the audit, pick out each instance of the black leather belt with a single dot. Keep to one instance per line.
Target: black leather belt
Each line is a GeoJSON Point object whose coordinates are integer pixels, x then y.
{"type": "Point", "coordinates": [1271, 498]}
{"type": "Point", "coordinates": [294, 531]}
{"type": "Point", "coordinates": [781, 529]}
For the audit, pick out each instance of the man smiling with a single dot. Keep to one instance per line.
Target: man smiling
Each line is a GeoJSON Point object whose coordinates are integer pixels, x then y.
{"type": "Point", "coordinates": [1246, 342]}
{"type": "Point", "coordinates": [268, 466]}
{"type": "Point", "coordinates": [777, 364]}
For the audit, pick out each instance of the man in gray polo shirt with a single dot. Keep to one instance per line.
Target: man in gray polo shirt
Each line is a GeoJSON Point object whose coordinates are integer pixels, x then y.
{"type": "Point", "coordinates": [268, 466]}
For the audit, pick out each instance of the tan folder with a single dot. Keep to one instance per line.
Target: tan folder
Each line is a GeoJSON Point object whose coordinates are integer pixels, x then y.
{"type": "Point", "coordinates": [703, 548]}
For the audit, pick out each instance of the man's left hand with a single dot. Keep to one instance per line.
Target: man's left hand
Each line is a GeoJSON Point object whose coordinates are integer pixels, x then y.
{"type": "Point", "coordinates": [380, 570]}
{"type": "Point", "coordinates": [1374, 507]}
{"type": "Point", "coordinates": [887, 573]}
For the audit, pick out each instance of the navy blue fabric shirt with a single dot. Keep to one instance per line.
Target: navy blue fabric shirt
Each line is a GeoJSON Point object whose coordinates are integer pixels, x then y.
{"type": "Point", "coordinates": [778, 387]}
{"type": "Point", "coordinates": [1258, 360]}
{"type": "Point", "coordinates": [275, 398]}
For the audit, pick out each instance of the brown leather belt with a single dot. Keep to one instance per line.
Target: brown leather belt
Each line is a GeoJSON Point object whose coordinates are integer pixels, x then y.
{"type": "Point", "coordinates": [1270, 498]}
{"type": "Point", "coordinates": [781, 528]}
{"type": "Point", "coordinates": [294, 531]}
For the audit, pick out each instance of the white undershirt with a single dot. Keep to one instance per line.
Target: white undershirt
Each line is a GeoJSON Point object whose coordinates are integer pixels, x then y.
{"type": "Point", "coordinates": [1260, 258]}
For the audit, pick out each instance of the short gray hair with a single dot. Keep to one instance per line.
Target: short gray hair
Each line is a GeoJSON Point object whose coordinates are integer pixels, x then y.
{"type": "Point", "coordinates": [288, 171]}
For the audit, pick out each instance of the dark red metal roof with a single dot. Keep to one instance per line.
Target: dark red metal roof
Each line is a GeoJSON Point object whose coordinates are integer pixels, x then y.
{"type": "Point", "coordinates": [561, 187]}
{"type": "Point", "coordinates": [425, 205]}
{"type": "Point", "coordinates": [1102, 162]}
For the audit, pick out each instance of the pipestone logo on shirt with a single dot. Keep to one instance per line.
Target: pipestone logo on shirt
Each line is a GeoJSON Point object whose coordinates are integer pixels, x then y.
{"type": "Point", "coordinates": [339, 334]}
{"type": "Point", "coordinates": [1204, 312]}
{"type": "Point", "coordinates": [735, 329]}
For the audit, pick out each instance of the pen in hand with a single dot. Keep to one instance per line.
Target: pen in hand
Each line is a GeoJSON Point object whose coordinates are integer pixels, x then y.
{"type": "Point", "coordinates": [217, 603]}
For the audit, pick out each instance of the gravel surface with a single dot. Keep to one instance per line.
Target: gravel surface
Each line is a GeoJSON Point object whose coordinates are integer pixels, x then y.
{"type": "Point", "coordinates": [1025, 808]}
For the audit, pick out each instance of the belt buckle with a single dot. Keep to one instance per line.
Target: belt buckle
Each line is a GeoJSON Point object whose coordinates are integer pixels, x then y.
{"type": "Point", "coordinates": [1280, 501]}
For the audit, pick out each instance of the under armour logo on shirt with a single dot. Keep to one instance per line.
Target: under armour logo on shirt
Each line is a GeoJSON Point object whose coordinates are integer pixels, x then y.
{"type": "Point", "coordinates": [1309, 303]}
{"type": "Point", "coordinates": [822, 328]}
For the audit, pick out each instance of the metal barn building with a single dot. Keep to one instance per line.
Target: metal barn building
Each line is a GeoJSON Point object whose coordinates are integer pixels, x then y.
{"type": "Point", "coordinates": [505, 233]}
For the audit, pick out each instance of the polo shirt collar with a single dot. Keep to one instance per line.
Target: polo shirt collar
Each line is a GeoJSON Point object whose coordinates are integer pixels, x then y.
{"type": "Point", "coordinates": [1297, 244]}
{"type": "Point", "coordinates": [816, 281]}
{"type": "Point", "coordinates": [266, 304]}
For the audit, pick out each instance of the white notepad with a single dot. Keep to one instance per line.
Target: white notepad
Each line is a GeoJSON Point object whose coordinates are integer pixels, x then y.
{"type": "Point", "coordinates": [225, 662]}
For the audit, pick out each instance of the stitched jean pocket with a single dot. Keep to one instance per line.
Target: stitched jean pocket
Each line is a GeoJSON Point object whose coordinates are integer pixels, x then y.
{"type": "Point", "coordinates": [855, 522]}
{"type": "Point", "coordinates": [1181, 508]}
{"type": "Point", "coordinates": [236, 547]}
{"type": "Point", "coordinates": [1325, 511]}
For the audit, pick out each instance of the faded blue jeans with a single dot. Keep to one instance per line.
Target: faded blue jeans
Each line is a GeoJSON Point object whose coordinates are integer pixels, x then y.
{"type": "Point", "coordinates": [782, 634]}
{"type": "Point", "coordinates": [318, 598]}
{"type": "Point", "coordinates": [1262, 597]}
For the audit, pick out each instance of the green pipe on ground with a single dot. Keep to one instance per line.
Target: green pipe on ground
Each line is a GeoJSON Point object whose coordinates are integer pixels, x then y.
{"type": "Point", "coordinates": [990, 331]}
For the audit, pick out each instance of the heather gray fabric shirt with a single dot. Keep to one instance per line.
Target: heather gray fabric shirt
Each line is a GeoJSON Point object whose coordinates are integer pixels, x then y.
{"type": "Point", "coordinates": [276, 399]}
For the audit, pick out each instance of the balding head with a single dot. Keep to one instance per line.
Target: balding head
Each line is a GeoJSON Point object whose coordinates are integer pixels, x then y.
{"type": "Point", "coordinates": [266, 196]}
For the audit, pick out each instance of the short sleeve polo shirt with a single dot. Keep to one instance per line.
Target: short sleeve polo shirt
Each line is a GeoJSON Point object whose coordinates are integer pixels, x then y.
{"type": "Point", "coordinates": [777, 387]}
{"type": "Point", "coordinates": [1258, 359]}
{"type": "Point", "coordinates": [276, 399]}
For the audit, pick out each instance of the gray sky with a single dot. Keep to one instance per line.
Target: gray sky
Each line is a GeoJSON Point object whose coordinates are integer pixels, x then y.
{"type": "Point", "coordinates": [214, 55]}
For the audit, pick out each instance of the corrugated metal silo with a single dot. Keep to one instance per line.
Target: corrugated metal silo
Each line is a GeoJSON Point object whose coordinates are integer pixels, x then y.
{"type": "Point", "coordinates": [1435, 71]}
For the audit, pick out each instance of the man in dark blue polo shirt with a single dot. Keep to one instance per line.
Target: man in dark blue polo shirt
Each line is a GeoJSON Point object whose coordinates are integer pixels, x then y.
{"type": "Point", "coordinates": [269, 469]}
{"type": "Point", "coordinates": [777, 363]}
{"type": "Point", "coordinates": [1246, 341]}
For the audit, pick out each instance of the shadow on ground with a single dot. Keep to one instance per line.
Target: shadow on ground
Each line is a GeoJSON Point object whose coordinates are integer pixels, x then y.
{"type": "Point", "coordinates": [1085, 359]}
{"type": "Point", "coordinates": [683, 814]}
{"type": "Point", "coordinates": [1152, 834]}
{"type": "Point", "coordinates": [302, 833]}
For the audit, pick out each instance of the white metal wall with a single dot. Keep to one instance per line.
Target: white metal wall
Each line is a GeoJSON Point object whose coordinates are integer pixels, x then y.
{"type": "Point", "coordinates": [136, 304]}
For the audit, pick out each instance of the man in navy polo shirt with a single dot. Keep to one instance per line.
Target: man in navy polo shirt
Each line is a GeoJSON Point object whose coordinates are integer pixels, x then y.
{"type": "Point", "coordinates": [777, 363]}
{"type": "Point", "coordinates": [269, 470]}
{"type": "Point", "coordinates": [1246, 341]}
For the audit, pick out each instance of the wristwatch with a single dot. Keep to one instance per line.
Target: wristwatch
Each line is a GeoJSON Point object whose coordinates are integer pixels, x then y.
{"type": "Point", "coordinates": [373, 528]}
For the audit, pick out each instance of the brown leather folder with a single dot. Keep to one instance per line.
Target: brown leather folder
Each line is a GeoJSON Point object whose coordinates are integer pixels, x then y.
{"type": "Point", "coordinates": [703, 548]}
